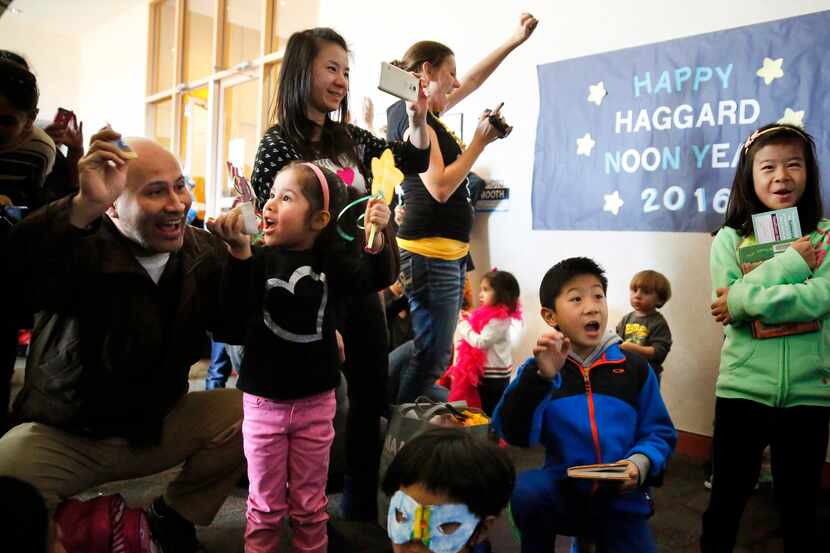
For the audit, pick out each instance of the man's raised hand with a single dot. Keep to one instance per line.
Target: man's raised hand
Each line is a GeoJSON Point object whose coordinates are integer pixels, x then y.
{"type": "Point", "coordinates": [102, 176]}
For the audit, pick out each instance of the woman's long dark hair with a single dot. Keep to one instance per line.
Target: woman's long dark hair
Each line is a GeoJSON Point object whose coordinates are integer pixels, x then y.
{"type": "Point", "coordinates": [743, 202]}
{"type": "Point", "coordinates": [295, 90]}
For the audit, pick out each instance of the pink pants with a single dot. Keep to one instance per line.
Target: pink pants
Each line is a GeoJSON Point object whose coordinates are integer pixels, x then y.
{"type": "Point", "coordinates": [287, 445]}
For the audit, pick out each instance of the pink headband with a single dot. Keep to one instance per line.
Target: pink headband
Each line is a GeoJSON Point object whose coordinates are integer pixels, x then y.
{"type": "Point", "coordinates": [323, 184]}
{"type": "Point", "coordinates": [758, 133]}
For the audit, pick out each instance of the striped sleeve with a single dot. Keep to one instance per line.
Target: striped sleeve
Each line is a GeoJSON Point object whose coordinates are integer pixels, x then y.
{"type": "Point", "coordinates": [24, 170]}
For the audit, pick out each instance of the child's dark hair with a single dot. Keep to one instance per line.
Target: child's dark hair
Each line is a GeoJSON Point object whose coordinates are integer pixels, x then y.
{"type": "Point", "coordinates": [743, 202]}
{"type": "Point", "coordinates": [340, 196]}
{"type": "Point", "coordinates": [651, 281]}
{"type": "Point", "coordinates": [448, 460]}
{"type": "Point", "coordinates": [567, 269]}
{"type": "Point", "coordinates": [24, 515]}
{"type": "Point", "coordinates": [505, 287]}
{"type": "Point", "coordinates": [293, 92]}
{"type": "Point", "coordinates": [19, 86]}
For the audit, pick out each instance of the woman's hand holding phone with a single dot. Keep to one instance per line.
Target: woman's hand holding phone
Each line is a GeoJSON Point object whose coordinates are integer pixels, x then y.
{"type": "Point", "coordinates": [417, 110]}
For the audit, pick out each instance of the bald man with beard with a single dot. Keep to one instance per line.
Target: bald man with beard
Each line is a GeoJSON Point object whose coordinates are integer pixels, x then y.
{"type": "Point", "coordinates": [123, 293]}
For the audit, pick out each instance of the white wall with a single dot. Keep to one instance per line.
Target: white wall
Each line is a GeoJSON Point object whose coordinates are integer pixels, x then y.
{"type": "Point", "coordinates": [566, 30]}
{"type": "Point", "coordinates": [56, 69]}
{"type": "Point", "coordinates": [92, 61]}
{"type": "Point", "coordinates": [113, 72]}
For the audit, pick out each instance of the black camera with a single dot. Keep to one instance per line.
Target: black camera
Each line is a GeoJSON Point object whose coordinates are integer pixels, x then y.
{"type": "Point", "coordinates": [500, 124]}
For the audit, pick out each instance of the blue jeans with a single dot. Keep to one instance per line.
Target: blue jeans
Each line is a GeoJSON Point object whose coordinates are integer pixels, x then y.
{"type": "Point", "coordinates": [543, 507]}
{"type": "Point", "coordinates": [399, 359]}
{"type": "Point", "coordinates": [434, 288]}
{"type": "Point", "coordinates": [220, 367]}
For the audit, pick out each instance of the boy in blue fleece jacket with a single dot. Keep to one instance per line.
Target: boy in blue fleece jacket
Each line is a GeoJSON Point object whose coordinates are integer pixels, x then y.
{"type": "Point", "coordinates": [586, 401]}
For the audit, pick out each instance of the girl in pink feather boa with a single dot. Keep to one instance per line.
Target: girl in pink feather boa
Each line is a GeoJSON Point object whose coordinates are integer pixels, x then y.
{"type": "Point", "coordinates": [483, 360]}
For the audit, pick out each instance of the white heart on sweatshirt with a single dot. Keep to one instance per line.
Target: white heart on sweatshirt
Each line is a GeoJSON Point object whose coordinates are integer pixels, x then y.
{"type": "Point", "coordinates": [296, 276]}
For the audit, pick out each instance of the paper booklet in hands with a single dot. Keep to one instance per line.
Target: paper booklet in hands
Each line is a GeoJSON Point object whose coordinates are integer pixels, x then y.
{"type": "Point", "coordinates": [774, 231]}
{"type": "Point", "coordinates": [602, 471]}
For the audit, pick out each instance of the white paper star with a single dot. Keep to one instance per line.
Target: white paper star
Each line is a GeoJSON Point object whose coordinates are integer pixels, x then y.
{"type": "Point", "coordinates": [792, 117]}
{"type": "Point", "coordinates": [771, 70]}
{"type": "Point", "coordinates": [584, 145]}
{"type": "Point", "coordinates": [613, 202]}
{"type": "Point", "coordinates": [597, 92]}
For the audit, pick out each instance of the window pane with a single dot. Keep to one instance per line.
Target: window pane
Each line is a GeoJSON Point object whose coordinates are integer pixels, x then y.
{"type": "Point", "coordinates": [193, 154]}
{"type": "Point", "coordinates": [198, 39]}
{"type": "Point", "coordinates": [291, 16]}
{"type": "Point", "coordinates": [272, 76]}
{"type": "Point", "coordinates": [240, 138]}
{"type": "Point", "coordinates": [161, 114]}
{"type": "Point", "coordinates": [243, 23]}
{"type": "Point", "coordinates": [164, 48]}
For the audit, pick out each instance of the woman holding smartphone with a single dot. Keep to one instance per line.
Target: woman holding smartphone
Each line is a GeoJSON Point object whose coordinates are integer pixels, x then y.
{"type": "Point", "coordinates": [435, 232]}
{"type": "Point", "coordinates": [313, 84]}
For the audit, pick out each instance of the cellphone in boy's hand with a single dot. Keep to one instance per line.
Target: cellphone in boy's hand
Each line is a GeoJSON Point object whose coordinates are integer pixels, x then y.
{"type": "Point", "coordinates": [65, 118]}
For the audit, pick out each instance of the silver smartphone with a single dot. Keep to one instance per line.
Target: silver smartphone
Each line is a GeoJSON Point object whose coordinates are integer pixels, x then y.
{"type": "Point", "coordinates": [397, 82]}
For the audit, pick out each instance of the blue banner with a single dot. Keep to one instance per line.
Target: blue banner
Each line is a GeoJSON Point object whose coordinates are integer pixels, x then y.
{"type": "Point", "coordinates": [647, 138]}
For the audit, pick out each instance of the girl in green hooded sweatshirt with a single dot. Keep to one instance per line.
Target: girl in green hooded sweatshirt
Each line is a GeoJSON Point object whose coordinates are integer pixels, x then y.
{"type": "Point", "coordinates": [775, 390]}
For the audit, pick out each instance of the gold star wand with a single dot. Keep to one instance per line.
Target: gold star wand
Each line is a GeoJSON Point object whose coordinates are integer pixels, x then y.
{"type": "Point", "coordinates": [385, 177]}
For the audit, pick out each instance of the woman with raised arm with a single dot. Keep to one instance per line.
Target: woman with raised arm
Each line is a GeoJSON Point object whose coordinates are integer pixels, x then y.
{"type": "Point", "coordinates": [435, 232]}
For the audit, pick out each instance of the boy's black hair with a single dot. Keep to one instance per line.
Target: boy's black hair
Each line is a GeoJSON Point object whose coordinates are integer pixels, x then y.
{"type": "Point", "coordinates": [24, 519]}
{"type": "Point", "coordinates": [448, 460]}
{"type": "Point", "coordinates": [567, 269]}
{"type": "Point", "coordinates": [505, 287]}
{"type": "Point", "coordinates": [743, 202]}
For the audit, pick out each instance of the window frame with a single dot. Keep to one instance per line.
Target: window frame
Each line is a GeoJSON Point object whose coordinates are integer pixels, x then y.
{"type": "Point", "coordinates": [220, 76]}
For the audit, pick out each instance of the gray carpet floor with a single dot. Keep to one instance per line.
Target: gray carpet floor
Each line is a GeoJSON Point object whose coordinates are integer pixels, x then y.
{"type": "Point", "coordinates": [679, 505]}
{"type": "Point", "coordinates": [676, 523]}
